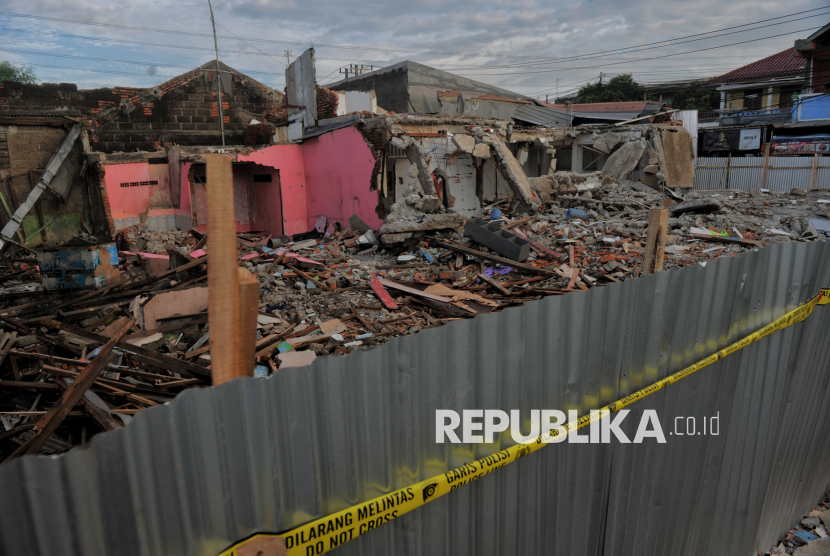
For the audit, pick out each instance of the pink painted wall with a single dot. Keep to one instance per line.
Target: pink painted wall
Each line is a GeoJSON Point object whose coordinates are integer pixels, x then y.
{"type": "Point", "coordinates": [186, 204]}
{"type": "Point", "coordinates": [128, 202]}
{"type": "Point", "coordinates": [288, 159]}
{"type": "Point", "coordinates": [338, 169]}
{"type": "Point", "coordinates": [327, 175]}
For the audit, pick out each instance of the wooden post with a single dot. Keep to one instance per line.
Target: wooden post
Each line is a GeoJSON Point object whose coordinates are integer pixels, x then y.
{"type": "Point", "coordinates": [813, 172]}
{"type": "Point", "coordinates": [249, 303]}
{"type": "Point", "coordinates": [763, 179]}
{"type": "Point", "coordinates": [224, 314]}
{"type": "Point", "coordinates": [725, 172]}
{"type": "Point", "coordinates": [658, 223]}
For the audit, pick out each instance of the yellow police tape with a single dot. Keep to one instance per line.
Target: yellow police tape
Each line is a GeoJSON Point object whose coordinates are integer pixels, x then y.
{"type": "Point", "coordinates": [324, 534]}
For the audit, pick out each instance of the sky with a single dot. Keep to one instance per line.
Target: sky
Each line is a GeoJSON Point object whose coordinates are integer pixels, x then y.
{"type": "Point", "coordinates": [534, 48]}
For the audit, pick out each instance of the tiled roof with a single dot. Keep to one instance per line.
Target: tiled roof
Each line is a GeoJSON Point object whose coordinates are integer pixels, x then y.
{"type": "Point", "coordinates": [778, 65]}
{"type": "Point", "coordinates": [629, 106]}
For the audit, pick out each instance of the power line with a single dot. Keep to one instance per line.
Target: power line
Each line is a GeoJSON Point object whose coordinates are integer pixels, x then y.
{"type": "Point", "coordinates": [373, 48]}
{"type": "Point", "coordinates": [270, 41]}
{"type": "Point", "coordinates": [655, 57]}
{"type": "Point", "coordinates": [650, 46]}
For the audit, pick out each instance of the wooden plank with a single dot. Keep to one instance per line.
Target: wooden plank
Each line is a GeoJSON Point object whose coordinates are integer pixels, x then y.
{"type": "Point", "coordinates": [762, 178]}
{"type": "Point", "coordinates": [658, 224]}
{"type": "Point", "coordinates": [495, 258]}
{"type": "Point", "coordinates": [249, 309]}
{"type": "Point", "coordinates": [49, 423]}
{"type": "Point", "coordinates": [6, 344]}
{"type": "Point", "coordinates": [23, 384]}
{"type": "Point", "coordinates": [318, 283]}
{"type": "Point", "coordinates": [723, 239]}
{"type": "Point", "coordinates": [813, 172]}
{"type": "Point", "coordinates": [518, 222]}
{"type": "Point", "coordinates": [381, 292]}
{"type": "Point", "coordinates": [574, 276]}
{"type": "Point", "coordinates": [494, 283]}
{"type": "Point", "coordinates": [144, 355]}
{"type": "Point", "coordinates": [414, 291]}
{"type": "Point", "coordinates": [226, 356]}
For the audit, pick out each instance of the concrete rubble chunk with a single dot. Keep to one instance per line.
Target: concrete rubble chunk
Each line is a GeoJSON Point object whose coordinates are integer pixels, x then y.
{"type": "Point", "coordinates": [515, 176]}
{"type": "Point", "coordinates": [425, 222]}
{"type": "Point", "coordinates": [466, 143]}
{"type": "Point", "coordinates": [624, 160]}
{"type": "Point", "coordinates": [612, 139]}
{"type": "Point", "coordinates": [698, 205]}
{"type": "Point", "coordinates": [601, 145]}
{"type": "Point", "coordinates": [481, 150]}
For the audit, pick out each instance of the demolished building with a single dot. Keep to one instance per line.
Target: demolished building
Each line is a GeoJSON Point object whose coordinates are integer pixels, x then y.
{"type": "Point", "coordinates": [139, 160]}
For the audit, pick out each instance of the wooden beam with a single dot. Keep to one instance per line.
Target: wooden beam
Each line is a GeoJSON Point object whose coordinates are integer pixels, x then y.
{"type": "Point", "coordinates": [249, 309]}
{"type": "Point", "coordinates": [494, 283]}
{"type": "Point", "coordinates": [144, 355]}
{"type": "Point", "coordinates": [658, 224]}
{"type": "Point", "coordinates": [49, 423]}
{"type": "Point", "coordinates": [226, 354]}
{"type": "Point", "coordinates": [495, 258]}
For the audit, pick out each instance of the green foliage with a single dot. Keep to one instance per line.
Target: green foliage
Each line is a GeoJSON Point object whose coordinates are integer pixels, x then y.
{"type": "Point", "coordinates": [620, 88]}
{"type": "Point", "coordinates": [694, 96]}
{"type": "Point", "coordinates": [21, 73]}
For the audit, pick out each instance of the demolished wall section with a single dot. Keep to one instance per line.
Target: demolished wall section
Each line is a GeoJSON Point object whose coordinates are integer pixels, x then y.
{"type": "Point", "coordinates": [183, 110]}
{"type": "Point", "coordinates": [30, 147]}
{"type": "Point", "coordinates": [290, 162]}
{"type": "Point", "coordinates": [340, 172]}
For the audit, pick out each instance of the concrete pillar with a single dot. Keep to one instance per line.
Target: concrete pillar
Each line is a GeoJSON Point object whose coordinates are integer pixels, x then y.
{"type": "Point", "coordinates": [769, 98]}
{"type": "Point", "coordinates": [722, 100]}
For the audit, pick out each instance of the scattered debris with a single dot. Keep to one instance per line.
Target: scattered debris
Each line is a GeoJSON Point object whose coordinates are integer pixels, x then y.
{"type": "Point", "coordinates": [329, 293]}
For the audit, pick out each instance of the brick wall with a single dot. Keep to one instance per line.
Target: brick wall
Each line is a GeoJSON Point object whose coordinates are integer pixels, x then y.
{"type": "Point", "coordinates": [326, 103]}
{"type": "Point", "coordinates": [181, 111]}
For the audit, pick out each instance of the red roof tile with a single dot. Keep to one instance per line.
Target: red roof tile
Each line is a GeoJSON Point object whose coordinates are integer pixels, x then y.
{"type": "Point", "coordinates": [781, 64]}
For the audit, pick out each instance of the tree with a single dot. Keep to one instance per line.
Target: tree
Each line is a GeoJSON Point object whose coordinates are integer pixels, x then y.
{"type": "Point", "coordinates": [21, 73]}
{"type": "Point", "coordinates": [694, 96]}
{"type": "Point", "coordinates": [621, 88]}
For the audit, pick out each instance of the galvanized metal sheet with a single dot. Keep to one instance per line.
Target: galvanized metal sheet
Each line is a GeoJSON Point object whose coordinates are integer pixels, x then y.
{"type": "Point", "coordinates": [253, 455]}
{"type": "Point", "coordinates": [783, 173]}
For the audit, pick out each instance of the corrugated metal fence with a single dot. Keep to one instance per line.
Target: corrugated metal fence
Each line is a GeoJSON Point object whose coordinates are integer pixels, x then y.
{"type": "Point", "coordinates": [268, 454]}
{"type": "Point", "coordinates": [782, 173]}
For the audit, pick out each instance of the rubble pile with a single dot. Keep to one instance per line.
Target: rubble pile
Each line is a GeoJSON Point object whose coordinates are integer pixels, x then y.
{"type": "Point", "coordinates": [331, 291]}
{"type": "Point", "coordinates": [811, 535]}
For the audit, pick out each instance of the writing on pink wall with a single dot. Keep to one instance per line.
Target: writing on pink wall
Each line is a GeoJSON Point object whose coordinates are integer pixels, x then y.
{"type": "Point", "coordinates": [338, 168]}
{"type": "Point", "coordinates": [288, 159]}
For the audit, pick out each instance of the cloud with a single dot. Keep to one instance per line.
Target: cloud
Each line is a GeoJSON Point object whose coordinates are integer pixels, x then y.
{"type": "Point", "coordinates": [521, 46]}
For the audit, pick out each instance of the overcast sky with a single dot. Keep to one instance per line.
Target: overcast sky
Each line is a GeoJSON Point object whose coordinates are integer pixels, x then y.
{"type": "Point", "coordinates": [521, 46]}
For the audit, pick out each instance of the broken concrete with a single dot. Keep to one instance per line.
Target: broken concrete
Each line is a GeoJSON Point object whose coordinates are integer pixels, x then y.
{"type": "Point", "coordinates": [416, 158]}
{"type": "Point", "coordinates": [422, 222]}
{"type": "Point", "coordinates": [623, 161]}
{"type": "Point", "coordinates": [466, 143]}
{"type": "Point", "coordinates": [481, 150]}
{"type": "Point", "coordinates": [511, 170]}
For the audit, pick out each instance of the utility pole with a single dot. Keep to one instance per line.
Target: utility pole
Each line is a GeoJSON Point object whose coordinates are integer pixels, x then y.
{"type": "Point", "coordinates": [557, 91]}
{"type": "Point", "coordinates": [287, 57]}
{"type": "Point", "coordinates": [355, 69]}
{"type": "Point", "coordinates": [218, 78]}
